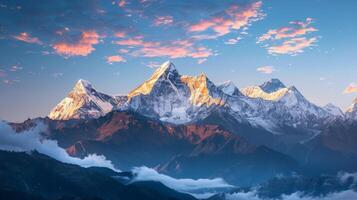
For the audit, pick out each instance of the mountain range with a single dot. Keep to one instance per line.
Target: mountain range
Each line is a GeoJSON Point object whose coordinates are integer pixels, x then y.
{"type": "Point", "coordinates": [187, 126]}
{"type": "Point", "coordinates": [179, 99]}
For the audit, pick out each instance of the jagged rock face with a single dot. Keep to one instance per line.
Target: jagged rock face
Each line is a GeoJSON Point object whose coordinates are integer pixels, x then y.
{"type": "Point", "coordinates": [83, 102]}
{"type": "Point", "coordinates": [170, 97]}
{"type": "Point", "coordinates": [284, 106]}
{"type": "Point", "coordinates": [230, 89]}
{"type": "Point", "coordinates": [272, 85]}
{"type": "Point", "coordinates": [334, 110]}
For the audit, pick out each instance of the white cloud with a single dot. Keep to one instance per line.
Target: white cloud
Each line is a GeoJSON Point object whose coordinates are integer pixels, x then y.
{"type": "Point", "coordinates": [32, 140]}
{"type": "Point", "coordinates": [252, 195]}
{"type": "Point", "coordinates": [182, 185]}
{"type": "Point", "coordinates": [266, 69]}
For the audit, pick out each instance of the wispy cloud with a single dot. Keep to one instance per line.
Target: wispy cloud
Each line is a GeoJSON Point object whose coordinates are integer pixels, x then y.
{"type": "Point", "coordinates": [114, 59]}
{"type": "Point", "coordinates": [10, 81]}
{"type": "Point", "coordinates": [153, 65]}
{"type": "Point", "coordinates": [297, 28]}
{"type": "Point", "coordinates": [26, 37]}
{"type": "Point", "coordinates": [233, 41]}
{"type": "Point", "coordinates": [202, 60]}
{"type": "Point", "coordinates": [3, 73]}
{"type": "Point", "coordinates": [290, 39]}
{"type": "Point", "coordinates": [16, 68]}
{"type": "Point", "coordinates": [120, 34]}
{"type": "Point", "coordinates": [171, 49]}
{"type": "Point", "coordinates": [57, 74]}
{"type": "Point", "coordinates": [123, 51]}
{"type": "Point", "coordinates": [83, 47]}
{"type": "Point", "coordinates": [233, 18]}
{"type": "Point", "coordinates": [163, 20]}
{"type": "Point", "coordinates": [351, 88]}
{"type": "Point", "coordinates": [293, 46]}
{"type": "Point", "coordinates": [266, 69]}
{"type": "Point", "coordinates": [122, 3]}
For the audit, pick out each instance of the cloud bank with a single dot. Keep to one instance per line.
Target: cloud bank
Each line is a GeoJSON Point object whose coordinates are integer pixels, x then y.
{"type": "Point", "coordinates": [252, 195]}
{"type": "Point", "coordinates": [182, 185]}
{"type": "Point", "coordinates": [31, 140]}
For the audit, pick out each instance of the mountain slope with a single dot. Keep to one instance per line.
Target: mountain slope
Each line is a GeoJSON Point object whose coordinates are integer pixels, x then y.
{"type": "Point", "coordinates": [36, 175]}
{"type": "Point", "coordinates": [334, 110]}
{"type": "Point", "coordinates": [173, 98]}
{"type": "Point", "coordinates": [129, 139]}
{"type": "Point", "coordinates": [229, 88]}
{"type": "Point", "coordinates": [231, 157]}
{"type": "Point", "coordinates": [83, 102]}
{"type": "Point", "coordinates": [286, 106]}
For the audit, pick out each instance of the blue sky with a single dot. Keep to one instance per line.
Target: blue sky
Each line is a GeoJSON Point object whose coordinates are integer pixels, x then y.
{"type": "Point", "coordinates": [46, 46]}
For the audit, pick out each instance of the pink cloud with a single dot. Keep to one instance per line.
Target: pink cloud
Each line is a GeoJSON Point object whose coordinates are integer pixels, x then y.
{"type": "Point", "coordinates": [122, 3]}
{"type": "Point", "coordinates": [120, 34]}
{"type": "Point", "coordinates": [171, 49]}
{"type": "Point", "coordinates": [292, 37]}
{"type": "Point", "coordinates": [235, 18]}
{"type": "Point", "coordinates": [83, 47]}
{"type": "Point", "coordinates": [233, 41]}
{"type": "Point", "coordinates": [266, 69]}
{"type": "Point", "coordinates": [292, 46]}
{"type": "Point", "coordinates": [297, 28]}
{"type": "Point", "coordinates": [136, 41]}
{"type": "Point", "coordinates": [153, 65]}
{"type": "Point", "coordinates": [26, 37]}
{"type": "Point", "coordinates": [201, 52]}
{"type": "Point", "coordinates": [351, 88]}
{"type": "Point", "coordinates": [123, 51]}
{"type": "Point", "coordinates": [163, 20]}
{"type": "Point", "coordinates": [113, 59]}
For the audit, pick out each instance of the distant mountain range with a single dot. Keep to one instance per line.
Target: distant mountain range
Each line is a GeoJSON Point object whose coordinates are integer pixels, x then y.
{"type": "Point", "coordinates": [187, 126]}
{"type": "Point", "coordinates": [179, 99]}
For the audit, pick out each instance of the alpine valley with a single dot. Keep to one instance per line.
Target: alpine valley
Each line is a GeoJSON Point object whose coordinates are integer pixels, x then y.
{"type": "Point", "coordinates": [267, 138]}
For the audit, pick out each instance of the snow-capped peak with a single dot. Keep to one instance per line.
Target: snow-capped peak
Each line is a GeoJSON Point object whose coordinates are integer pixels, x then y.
{"type": "Point", "coordinates": [272, 85]}
{"type": "Point", "coordinates": [83, 86]}
{"type": "Point", "coordinates": [351, 111]}
{"type": "Point", "coordinates": [257, 92]}
{"type": "Point", "coordinates": [83, 102]}
{"type": "Point", "coordinates": [229, 88]}
{"type": "Point", "coordinates": [353, 106]}
{"type": "Point", "coordinates": [332, 109]}
{"type": "Point", "coordinates": [167, 66]}
{"type": "Point", "coordinates": [202, 90]}
{"type": "Point", "coordinates": [166, 71]}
